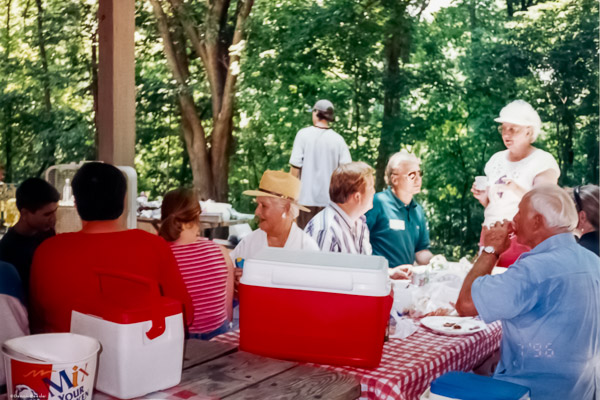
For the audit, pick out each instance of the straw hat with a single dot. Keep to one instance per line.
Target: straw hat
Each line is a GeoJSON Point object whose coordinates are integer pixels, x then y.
{"type": "Point", "coordinates": [278, 184]}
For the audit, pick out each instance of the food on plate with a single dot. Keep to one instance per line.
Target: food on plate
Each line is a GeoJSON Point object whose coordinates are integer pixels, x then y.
{"type": "Point", "coordinates": [449, 324]}
{"type": "Point", "coordinates": [456, 326]}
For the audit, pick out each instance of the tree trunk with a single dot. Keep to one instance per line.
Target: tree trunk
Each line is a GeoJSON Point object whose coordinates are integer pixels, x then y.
{"type": "Point", "coordinates": [509, 8]}
{"type": "Point", "coordinates": [396, 48]}
{"type": "Point", "coordinates": [43, 57]}
{"type": "Point", "coordinates": [193, 132]}
{"type": "Point", "coordinates": [7, 131]}
{"type": "Point", "coordinates": [219, 52]}
{"type": "Point", "coordinates": [94, 85]}
{"type": "Point", "coordinates": [221, 143]}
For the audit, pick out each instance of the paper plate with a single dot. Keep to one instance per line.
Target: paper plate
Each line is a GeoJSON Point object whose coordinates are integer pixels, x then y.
{"type": "Point", "coordinates": [454, 325]}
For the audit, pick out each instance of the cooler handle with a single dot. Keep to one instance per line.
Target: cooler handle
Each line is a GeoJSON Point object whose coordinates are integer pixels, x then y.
{"type": "Point", "coordinates": [158, 320]}
{"type": "Point", "coordinates": [316, 279]}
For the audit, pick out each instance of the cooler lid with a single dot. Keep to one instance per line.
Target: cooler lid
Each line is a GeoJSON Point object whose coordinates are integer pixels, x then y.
{"type": "Point", "coordinates": [125, 298]}
{"type": "Point", "coordinates": [318, 271]}
{"type": "Point", "coordinates": [131, 313]}
{"type": "Point", "coordinates": [465, 386]}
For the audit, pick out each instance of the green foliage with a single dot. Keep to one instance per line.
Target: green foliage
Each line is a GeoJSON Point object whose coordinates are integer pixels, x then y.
{"type": "Point", "coordinates": [455, 72]}
{"type": "Point", "coordinates": [33, 137]}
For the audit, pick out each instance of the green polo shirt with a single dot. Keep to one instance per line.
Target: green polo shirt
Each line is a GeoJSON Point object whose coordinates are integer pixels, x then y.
{"type": "Point", "coordinates": [397, 230]}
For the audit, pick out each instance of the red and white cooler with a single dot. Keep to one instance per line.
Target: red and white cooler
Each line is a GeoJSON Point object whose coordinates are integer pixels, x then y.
{"type": "Point", "coordinates": [140, 331]}
{"type": "Point", "coordinates": [327, 308]}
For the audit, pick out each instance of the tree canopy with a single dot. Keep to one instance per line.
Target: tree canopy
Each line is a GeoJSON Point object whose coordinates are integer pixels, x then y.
{"type": "Point", "coordinates": [223, 87]}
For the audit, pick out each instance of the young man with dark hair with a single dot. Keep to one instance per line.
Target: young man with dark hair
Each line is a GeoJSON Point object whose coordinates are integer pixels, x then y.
{"type": "Point", "coordinates": [37, 202]}
{"type": "Point", "coordinates": [64, 269]}
{"type": "Point", "coordinates": [318, 150]}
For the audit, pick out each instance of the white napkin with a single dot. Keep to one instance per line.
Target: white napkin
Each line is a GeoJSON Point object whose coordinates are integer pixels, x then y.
{"type": "Point", "coordinates": [404, 326]}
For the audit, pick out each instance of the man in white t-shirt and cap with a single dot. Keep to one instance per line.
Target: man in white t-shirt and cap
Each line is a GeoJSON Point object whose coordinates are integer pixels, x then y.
{"type": "Point", "coordinates": [318, 150]}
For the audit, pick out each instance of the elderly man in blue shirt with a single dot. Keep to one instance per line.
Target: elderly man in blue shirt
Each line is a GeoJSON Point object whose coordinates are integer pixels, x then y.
{"type": "Point", "coordinates": [548, 301]}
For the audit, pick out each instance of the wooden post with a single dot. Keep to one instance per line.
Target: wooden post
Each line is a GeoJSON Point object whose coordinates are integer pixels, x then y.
{"type": "Point", "coordinates": [116, 82]}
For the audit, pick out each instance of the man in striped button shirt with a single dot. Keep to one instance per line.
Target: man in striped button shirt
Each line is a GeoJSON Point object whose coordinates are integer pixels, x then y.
{"type": "Point", "coordinates": [341, 226]}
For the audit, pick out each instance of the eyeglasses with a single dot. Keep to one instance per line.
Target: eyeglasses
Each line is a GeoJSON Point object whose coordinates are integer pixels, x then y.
{"type": "Point", "coordinates": [510, 130]}
{"type": "Point", "coordinates": [411, 175]}
{"type": "Point", "coordinates": [577, 196]}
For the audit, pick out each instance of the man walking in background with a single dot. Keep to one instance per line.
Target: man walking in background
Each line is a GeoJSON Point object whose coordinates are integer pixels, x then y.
{"type": "Point", "coordinates": [318, 150]}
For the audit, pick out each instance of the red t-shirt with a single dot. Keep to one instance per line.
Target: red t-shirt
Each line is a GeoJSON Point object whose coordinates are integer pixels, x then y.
{"type": "Point", "coordinates": [62, 272]}
{"type": "Point", "coordinates": [204, 272]}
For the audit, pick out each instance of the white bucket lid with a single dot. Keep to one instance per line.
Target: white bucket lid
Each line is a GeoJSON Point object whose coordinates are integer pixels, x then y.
{"type": "Point", "coordinates": [55, 348]}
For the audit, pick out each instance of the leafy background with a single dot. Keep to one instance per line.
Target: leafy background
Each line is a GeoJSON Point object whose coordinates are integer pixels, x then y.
{"type": "Point", "coordinates": [399, 77]}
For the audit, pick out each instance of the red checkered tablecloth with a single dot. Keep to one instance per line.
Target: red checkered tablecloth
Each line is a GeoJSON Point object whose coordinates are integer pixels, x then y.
{"type": "Point", "coordinates": [409, 365]}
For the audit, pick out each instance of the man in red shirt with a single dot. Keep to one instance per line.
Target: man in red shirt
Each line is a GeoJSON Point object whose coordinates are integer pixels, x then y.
{"type": "Point", "coordinates": [62, 273]}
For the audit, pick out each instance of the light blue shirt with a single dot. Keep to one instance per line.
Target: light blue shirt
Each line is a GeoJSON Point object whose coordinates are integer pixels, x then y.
{"type": "Point", "coordinates": [549, 306]}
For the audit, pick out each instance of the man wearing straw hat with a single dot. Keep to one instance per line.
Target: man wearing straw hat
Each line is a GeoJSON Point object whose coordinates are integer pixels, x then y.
{"type": "Point", "coordinates": [277, 208]}
{"type": "Point", "coordinates": [318, 150]}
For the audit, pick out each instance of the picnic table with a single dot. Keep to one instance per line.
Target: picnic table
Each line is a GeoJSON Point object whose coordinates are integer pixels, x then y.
{"type": "Point", "coordinates": [215, 370]}
{"type": "Point", "coordinates": [408, 366]}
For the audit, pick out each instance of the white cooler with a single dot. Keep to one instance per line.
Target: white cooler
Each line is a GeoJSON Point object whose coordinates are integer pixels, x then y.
{"type": "Point", "coordinates": [141, 334]}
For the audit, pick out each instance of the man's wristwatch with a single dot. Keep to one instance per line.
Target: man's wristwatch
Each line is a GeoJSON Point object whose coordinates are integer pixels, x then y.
{"type": "Point", "coordinates": [491, 250]}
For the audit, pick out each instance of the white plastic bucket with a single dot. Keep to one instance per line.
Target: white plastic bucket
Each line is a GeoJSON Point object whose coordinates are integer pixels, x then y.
{"type": "Point", "coordinates": [59, 366]}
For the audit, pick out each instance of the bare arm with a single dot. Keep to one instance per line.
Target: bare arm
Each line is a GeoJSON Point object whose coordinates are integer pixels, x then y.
{"type": "Point", "coordinates": [295, 171]}
{"type": "Point", "coordinates": [423, 256]}
{"type": "Point", "coordinates": [496, 236]}
{"type": "Point", "coordinates": [549, 176]}
{"type": "Point", "coordinates": [481, 195]}
{"type": "Point", "coordinates": [229, 284]}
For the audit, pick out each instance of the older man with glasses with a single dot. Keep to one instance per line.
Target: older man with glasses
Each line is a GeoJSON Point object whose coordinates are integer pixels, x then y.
{"type": "Point", "coordinates": [397, 225]}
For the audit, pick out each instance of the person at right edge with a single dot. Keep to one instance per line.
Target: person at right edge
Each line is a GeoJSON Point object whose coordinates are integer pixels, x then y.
{"type": "Point", "coordinates": [548, 301]}
{"type": "Point", "coordinates": [586, 199]}
{"type": "Point", "coordinates": [318, 150]}
{"type": "Point", "coordinates": [513, 172]}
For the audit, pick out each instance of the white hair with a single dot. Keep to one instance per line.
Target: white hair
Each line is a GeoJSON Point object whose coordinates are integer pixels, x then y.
{"type": "Point", "coordinates": [401, 157]}
{"type": "Point", "coordinates": [555, 205]}
{"type": "Point", "coordinates": [292, 208]}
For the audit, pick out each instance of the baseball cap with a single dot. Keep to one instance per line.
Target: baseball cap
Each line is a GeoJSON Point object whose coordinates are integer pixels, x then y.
{"type": "Point", "coordinates": [520, 112]}
{"type": "Point", "coordinates": [325, 107]}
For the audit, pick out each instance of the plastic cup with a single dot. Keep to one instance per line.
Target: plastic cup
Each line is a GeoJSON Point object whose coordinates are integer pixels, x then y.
{"type": "Point", "coordinates": [481, 182]}
{"type": "Point", "coordinates": [51, 366]}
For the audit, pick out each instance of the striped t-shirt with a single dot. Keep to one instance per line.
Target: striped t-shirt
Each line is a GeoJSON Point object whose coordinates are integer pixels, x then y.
{"type": "Point", "coordinates": [204, 273]}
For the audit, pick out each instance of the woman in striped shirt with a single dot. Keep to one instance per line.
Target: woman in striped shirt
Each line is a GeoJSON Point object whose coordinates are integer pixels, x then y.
{"type": "Point", "coordinates": [206, 271]}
